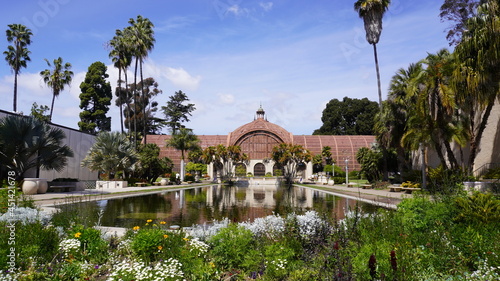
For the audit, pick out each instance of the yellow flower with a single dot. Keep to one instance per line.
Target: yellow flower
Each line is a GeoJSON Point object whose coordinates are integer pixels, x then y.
{"type": "Point", "coordinates": [135, 228]}
{"type": "Point", "coordinates": [163, 222]}
{"type": "Point", "coordinates": [165, 236]}
{"type": "Point", "coordinates": [212, 264]}
{"type": "Point", "coordinates": [78, 234]}
{"type": "Point", "coordinates": [160, 248]}
{"type": "Point", "coordinates": [185, 239]}
{"type": "Point", "coordinates": [148, 221]}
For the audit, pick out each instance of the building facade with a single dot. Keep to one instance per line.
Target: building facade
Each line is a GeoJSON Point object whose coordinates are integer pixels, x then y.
{"type": "Point", "coordinates": [257, 139]}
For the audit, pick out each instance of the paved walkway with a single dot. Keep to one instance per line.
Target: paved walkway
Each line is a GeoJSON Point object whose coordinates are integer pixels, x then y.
{"type": "Point", "coordinates": [383, 198]}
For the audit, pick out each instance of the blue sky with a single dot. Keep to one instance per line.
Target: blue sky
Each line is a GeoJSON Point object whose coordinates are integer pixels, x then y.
{"type": "Point", "coordinates": [228, 56]}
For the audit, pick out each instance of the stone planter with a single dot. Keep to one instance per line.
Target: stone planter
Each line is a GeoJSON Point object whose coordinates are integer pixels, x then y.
{"type": "Point", "coordinates": [42, 185]}
{"type": "Point", "coordinates": [163, 181]}
{"type": "Point", "coordinates": [30, 186]}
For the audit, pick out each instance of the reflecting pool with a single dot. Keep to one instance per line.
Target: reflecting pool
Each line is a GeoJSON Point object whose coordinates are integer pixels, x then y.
{"type": "Point", "coordinates": [199, 205]}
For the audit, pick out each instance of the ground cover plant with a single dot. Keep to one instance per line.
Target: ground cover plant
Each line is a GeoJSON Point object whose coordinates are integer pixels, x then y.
{"type": "Point", "coordinates": [451, 237]}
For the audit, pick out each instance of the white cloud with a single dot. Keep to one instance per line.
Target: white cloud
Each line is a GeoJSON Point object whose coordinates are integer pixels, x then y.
{"type": "Point", "coordinates": [267, 6]}
{"type": "Point", "coordinates": [177, 76]}
{"type": "Point", "coordinates": [225, 98]}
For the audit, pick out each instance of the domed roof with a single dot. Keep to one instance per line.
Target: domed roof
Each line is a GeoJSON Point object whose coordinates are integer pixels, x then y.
{"type": "Point", "coordinates": [260, 125]}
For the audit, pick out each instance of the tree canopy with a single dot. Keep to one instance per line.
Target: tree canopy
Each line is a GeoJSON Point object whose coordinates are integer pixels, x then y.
{"type": "Point", "coordinates": [348, 117]}
{"type": "Point", "coordinates": [177, 111]}
{"type": "Point", "coordinates": [95, 100]}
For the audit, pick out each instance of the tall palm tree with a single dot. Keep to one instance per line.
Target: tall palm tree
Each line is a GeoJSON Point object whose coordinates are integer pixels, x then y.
{"type": "Point", "coordinates": [17, 55]}
{"type": "Point", "coordinates": [372, 12]}
{"type": "Point", "coordinates": [184, 140]}
{"type": "Point", "coordinates": [27, 143]}
{"type": "Point", "coordinates": [121, 56]}
{"type": "Point", "coordinates": [57, 78]}
{"type": "Point", "coordinates": [142, 41]}
{"type": "Point", "coordinates": [477, 80]}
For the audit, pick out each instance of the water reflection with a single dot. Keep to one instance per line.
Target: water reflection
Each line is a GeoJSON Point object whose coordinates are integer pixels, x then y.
{"type": "Point", "coordinates": [204, 204]}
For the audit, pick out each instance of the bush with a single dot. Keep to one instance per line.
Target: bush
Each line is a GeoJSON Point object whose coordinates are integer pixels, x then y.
{"type": "Point", "coordinates": [189, 177]}
{"type": "Point", "coordinates": [339, 180]}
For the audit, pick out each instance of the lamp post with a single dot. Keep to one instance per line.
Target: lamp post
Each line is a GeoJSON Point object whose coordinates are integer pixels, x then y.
{"type": "Point", "coordinates": [347, 171]}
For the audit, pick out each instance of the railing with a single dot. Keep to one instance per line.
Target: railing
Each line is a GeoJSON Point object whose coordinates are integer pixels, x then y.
{"type": "Point", "coordinates": [483, 169]}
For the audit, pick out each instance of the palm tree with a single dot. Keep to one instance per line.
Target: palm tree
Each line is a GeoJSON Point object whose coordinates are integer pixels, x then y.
{"type": "Point", "coordinates": [121, 57]}
{"type": "Point", "coordinates": [17, 55]}
{"type": "Point", "coordinates": [477, 79]}
{"type": "Point", "coordinates": [372, 12]}
{"type": "Point", "coordinates": [184, 140]}
{"type": "Point", "coordinates": [112, 153]}
{"type": "Point", "coordinates": [142, 41]}
{"type": "Point", "coordinates": [27, 143]}
{"type": "Point", "coordinates": [57, 78]}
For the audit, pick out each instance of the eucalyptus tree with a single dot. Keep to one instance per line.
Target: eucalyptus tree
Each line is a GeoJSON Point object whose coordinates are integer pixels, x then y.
{"type": "Point", "coordinates": [112, 153]}
{"type": "Point", "coordinates": [372, 12]}
{"type": "Point", "coordinates": [26, 143]}
{"type": "Point", "coordinates": [141, 39]}
{"type": "Point", "coordinates": [183, 140]}
{"type": "Point", "coordinates": [458, 12]}
{"type": "Point", "coordinates": [477, 80]}
{"type": "Point", "coordinates": [57, 78]}
{"type": "Point", "coordinates": [121, 56]}
{"type": "Point", "coordinates": [290, 156]}
{"type": "Point", "coordinates": [17, 54]}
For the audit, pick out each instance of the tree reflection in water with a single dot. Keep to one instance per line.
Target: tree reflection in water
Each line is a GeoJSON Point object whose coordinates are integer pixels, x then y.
{"type": "Point", "coordinates": [199, 205]}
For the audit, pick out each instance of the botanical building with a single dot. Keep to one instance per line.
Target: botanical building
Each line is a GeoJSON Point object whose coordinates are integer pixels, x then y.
{"type": "Point", "coordinates": [258, 138]}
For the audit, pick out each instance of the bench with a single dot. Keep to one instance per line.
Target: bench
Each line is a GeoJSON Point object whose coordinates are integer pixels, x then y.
{"type": "Point", "coordinates": [60, 188]}
{"type": "Point", "coordinates": [395, 188]}
{"type": "Point", "coordinates": [141, 184]}
{"type": "Point", "coordinates": [409, 190]}
{"type": "Point", "coordinates": [366, 186]}
{"type": "Point", "coordinates": [351, 184]}
{"type": "Point", "coordinates": [157, 183]}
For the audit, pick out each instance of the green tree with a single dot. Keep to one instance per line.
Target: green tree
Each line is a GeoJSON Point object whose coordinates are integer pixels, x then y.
{"type": "Point", "coordinates": [95, 99]}
{"type": "Point", "coordinates": [27, 143]}
{"type": "Point", "coordinates": [458, 12]}
{"type": "Point", "coordinates": [57, 78]}
{"type": "Point", "coordinates": [177, 111]}
{"type": "Point", "coordinates": [372, 12]}
{"type": "Point", "coordinates": [142, 103]}
{"type": "Point", "coordinates": [224, 160]}
{"type": "Point", "coordinates": [348, 117]}
{"type": "Point", "coordinates": [183, 140]}
{"type": "Point", "coordinates": [150, 166]}
{"type": "Point", "coordinates": [112, 153]}
{"type": "Point", "coordinates": [39, 112]}
{"type": "Point", "coordinates": [121, 56]}
{"type": "Point", "coordinates": [17, 55]}
{"type": "Point", "coordinates": [290, 156]}
{"type": "Point", "coordinates": [477, 80]}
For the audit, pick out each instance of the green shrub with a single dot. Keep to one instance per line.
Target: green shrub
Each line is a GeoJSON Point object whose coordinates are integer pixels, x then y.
{"type": "Point", "coordinates": [233, 247]}
{"type": "Point", "coordinates": [339, 180]}
{"type": "Point", "coordinates": [479, 208]}
{"type": "Point", "coordinates": [189, 177]}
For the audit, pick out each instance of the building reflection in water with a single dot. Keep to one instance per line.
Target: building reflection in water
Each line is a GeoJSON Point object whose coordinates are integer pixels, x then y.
{"type": "Point", "coordinates": [205, 204]}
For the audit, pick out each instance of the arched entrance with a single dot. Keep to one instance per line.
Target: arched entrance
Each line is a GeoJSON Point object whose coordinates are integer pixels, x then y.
{"type": "Point", "coordinates": [259, 170]}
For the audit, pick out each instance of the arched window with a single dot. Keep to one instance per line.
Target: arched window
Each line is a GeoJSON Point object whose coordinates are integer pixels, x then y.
{"type": "Point", "coordinates": [240, 170]}
{"type": "Point", "coordinates": [259, 170]}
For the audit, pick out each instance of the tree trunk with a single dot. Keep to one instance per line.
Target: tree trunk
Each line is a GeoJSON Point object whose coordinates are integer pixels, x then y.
{"type": "Point", "coordinates": [476, 140]}
{"type": "Point", "coordinates": [15, 90]}
{"type": "Point", "coordinates": [135, 102]}
{"type": "Point", "coordinates": [120, 97]}
{"type": "Point", "coordinates": [52, 106]}
{"type": "Point", "coordinates": [378, 75]}
{"type": "Point", "coordinates": [143, 97]}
